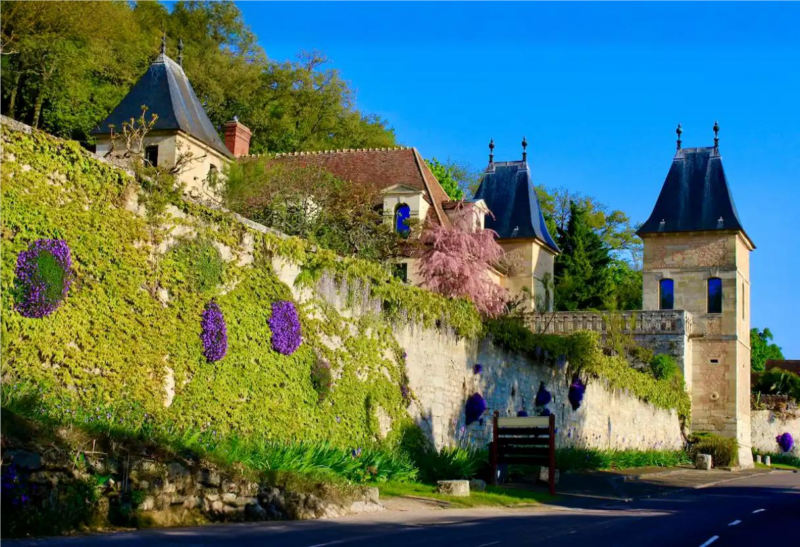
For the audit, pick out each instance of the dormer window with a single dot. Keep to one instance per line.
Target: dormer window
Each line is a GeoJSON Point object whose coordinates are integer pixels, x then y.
{"type": "Point", "coordinates": [401, 215]}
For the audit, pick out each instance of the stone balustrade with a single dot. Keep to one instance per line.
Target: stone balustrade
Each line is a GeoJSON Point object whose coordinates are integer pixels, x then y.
{"type": "Point", "coordinates": [631, 322]}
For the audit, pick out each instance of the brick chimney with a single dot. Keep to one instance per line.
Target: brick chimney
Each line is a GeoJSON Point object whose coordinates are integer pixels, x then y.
{"type": "Point", "coordinates": [237, 138]}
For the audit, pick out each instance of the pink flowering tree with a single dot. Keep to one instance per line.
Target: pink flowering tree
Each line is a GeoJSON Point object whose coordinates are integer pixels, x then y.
{"type": "Point", "coordinates": [456, 261]}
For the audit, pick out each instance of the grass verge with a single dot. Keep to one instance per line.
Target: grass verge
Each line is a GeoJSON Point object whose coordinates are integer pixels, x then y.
{"type": "Point", "coordinates": [492, 497]}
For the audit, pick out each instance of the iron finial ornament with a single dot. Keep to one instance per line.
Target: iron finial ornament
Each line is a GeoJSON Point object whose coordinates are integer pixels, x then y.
{"type": "Point", "coordinates": [679, 131]}
{"type": "Point", "coordinates": [180, 51]}
{"type": "Point", "coordinates": [164, 44]}
{"type": "Point", "coordinates": [524, 147]}
{"type": "Point", "coordinates": [716, 134]}
{"type": "Point", "coordinates": [491, 151]}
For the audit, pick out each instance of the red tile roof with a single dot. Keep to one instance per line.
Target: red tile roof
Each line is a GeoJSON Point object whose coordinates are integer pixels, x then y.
{"type": "Point", "coordinates": [380, 168]}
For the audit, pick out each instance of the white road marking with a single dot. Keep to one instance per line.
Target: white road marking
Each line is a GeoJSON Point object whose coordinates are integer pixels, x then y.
{"type": "Point", "coordinates": [710, 541]}
{"type": "Point", "coordinates": [735, 522]}
{"type": "Point", "coordinates": [487, 544]}
{"type": "Point", "coordinates": [759, 511]}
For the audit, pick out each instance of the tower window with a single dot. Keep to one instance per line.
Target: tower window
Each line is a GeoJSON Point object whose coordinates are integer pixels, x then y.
{"type": "Point", "coordinates": [401, 214]}
{"type": "Point", "coordinates": [715, 295]}
{"type": "Point", "coordinates": [151, 156]}
{"type": "Point", "coordinates": [666, 292]}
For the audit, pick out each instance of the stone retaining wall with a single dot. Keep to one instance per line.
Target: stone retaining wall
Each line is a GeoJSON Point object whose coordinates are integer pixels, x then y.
{"type": "Point", "coordinates": [440, 370]}
{"type": "Point", "coordinates": [765, 425]}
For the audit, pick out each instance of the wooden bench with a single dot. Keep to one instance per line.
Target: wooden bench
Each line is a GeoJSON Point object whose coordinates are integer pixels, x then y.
{"type": "Point", "coordinates": [529, 440]}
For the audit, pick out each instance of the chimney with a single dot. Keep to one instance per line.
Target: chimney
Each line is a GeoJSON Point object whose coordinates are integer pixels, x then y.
{"type": "Point", "coordinates": [237, 138]}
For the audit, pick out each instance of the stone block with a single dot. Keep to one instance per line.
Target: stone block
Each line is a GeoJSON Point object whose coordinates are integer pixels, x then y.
{"type": "Point", "coordinates": [767, 461]}
{"type": "Point", "coordinates": [458, 488]}
{"type": "Point", "coordinates": [372, 495]}
{"type": "Point", "coordinates": [703, 461]}
{"type": "Point", "coordinates": [758, 458]}
{"type": "Point", "coordinates": [477, 485]}
{"type": "Point", "coordinates": [544, 475]}
{"type": "Point", "coordinates": [229, 497]}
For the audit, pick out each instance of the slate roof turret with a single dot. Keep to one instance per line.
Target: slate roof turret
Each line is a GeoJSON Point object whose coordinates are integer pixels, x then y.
{"type": "Point", "coordinates": [166, 91]}
{"type": "Point", "coordinates": [507, 188]}
{"type": "Point", "coordinates": [695, 196]}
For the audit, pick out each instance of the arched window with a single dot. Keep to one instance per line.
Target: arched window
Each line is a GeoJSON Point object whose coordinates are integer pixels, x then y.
{"type": "Point", "coordinates": [401, 214]}
{"type": "Point", "coordinates": [666, 293]}
{"type": "Point", "coordinates": [715, 295]}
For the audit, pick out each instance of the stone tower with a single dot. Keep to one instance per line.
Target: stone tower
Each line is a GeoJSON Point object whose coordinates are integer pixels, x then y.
{"type": "Point", "coordinates": [697, 258]}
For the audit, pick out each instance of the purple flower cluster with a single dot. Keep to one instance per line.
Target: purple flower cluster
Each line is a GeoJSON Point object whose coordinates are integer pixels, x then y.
{"type": "Point", "coordinates": [215, 333]}
{"type": "Point", "coordinates": [477, 369]}
{"type": "Point", "coordinates": [785, 441]}
{"type": "Point", "coordinates": [543, 397]}
{"type": "Point", "coordinates": [521, 413]}
{"type": "Point", "coordinates": [43, 277]}
{"type": "Point", "coordinates": [475, 407]}
{"type": "Point", "coordinates": [576, 390]}
{"type": "Point", "coordinates": [285, 327]}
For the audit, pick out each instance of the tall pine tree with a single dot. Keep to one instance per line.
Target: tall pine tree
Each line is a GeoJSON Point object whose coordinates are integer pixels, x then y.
{"type": "Point", "coordinates": [583, 276]}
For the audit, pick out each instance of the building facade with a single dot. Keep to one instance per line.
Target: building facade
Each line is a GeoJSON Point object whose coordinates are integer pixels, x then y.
{"type": "Point", "coordinates": [697, 259]}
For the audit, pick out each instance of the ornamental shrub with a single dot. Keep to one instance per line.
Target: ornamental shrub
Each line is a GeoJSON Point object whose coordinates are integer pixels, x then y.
{"type": "Point", "coordinates": [475, 407]}
{"type": "Point", "coordinates": [576, 391]}
{"type": "Point", "coordinates": [785, 441]}
{"type": "Point", "coordinates": [285, 327]}
{"type": "Point", "coordinates": [779, 382]}
{"type": "Point", "coordinates": [663, 367]}
{"type": "Point", "coordinates": [724, 450]}
{"type": "Point", "coordinates": [215, 333]}
{"type": "Point", "coordinates": [43, 277]}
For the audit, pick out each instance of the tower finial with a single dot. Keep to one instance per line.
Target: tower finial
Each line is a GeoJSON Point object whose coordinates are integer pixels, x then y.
{"type": "Point", "coordinates": [180, 51]}
{"type": "Point", "coordinates": [491, 151]}
{"type": "Point", "coordinates": [679, 131]}
{"type": "Point", "coordinates": [716, 134]}
{"type": "Point", "coordinates": [524, 146]}
{"type": "Point", "coordinates": [164, 43]}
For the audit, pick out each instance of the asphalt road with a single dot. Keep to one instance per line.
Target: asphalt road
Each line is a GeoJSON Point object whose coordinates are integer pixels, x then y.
{"type": "Point", "coordinates": [761, 510]}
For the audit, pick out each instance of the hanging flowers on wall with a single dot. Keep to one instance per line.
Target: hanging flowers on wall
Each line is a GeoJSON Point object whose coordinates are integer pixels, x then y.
{"type": "Point", "coordinates": [785, 441]}
{"type": "Point", "coordinates": [543, 397]}
{"type": "Point", "coordinates": [215, 333]}
{"type": "Point", "coordinates": [576, 390]}
{"type": "Point", "coordinates": [43, 277]}
{"type": "Point", "coordinates": [285, 327]}
{"type": "Point", "coordinates": [475, 407]}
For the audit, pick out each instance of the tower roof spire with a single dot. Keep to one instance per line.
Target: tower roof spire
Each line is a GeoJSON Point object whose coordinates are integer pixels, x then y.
{"type": "Point", "coordinates": [180, 51]}
{"type": "Point", "coordinates": [164, 43]}
{"type": "Point", "coordinates": [491, 151]}
{"type": "Point", "coordinates": [679, 131]}
{"type": "Point", "coordinates": [716, 134]}
{"type": "Point", "coordinates": [524, 147]}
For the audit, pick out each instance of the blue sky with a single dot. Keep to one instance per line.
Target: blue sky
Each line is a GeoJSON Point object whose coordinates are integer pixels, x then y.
{"type": "Point", "coordinates": [597, 89]}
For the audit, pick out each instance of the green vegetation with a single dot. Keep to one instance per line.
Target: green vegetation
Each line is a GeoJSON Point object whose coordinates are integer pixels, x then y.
{"type": "Point", "coordinates": [663, 367]}
{"type": "Point", "coordinates": [451, 176]}
{"type": "Point", "coordinates": [582, 459]}
{"type": "Point", "coordinates": [762, 349]}
{"type": "Point", "coordinates": [492, 497]}
{"type": "Point", "coordinates": [66, 66]}
{"type": "Point", "coordinates": [724, 450]}
{"type": "Point", "coordinates": [114, 345]}
{"type": "Point", "coordinates": [586, 357]}
{"type": "Point", "coordinates": [780, 460]}
{"type": "Point", "coordinates": [451, 462]}
{"type": "Point", "coordinates": [778, 382]}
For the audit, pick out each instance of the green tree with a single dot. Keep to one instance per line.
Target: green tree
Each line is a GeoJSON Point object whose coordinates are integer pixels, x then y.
{"type": "Point", "coordinates": [582, 274]}
{"type": "Point", "coordinates": [66, 65]}
{"type": "Point", "coordinates": [762, 350]}
{"type": "Point", "coordinates": [446, 174]}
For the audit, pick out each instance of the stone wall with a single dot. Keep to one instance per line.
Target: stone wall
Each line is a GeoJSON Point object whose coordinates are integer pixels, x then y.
{"type": "Point", "coordinates": [441, 375]}
{"type": "Point", "coordinates": [765, 425]}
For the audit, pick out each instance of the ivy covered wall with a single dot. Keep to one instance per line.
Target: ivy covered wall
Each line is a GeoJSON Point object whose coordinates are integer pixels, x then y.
{"type": "Point", "coordinates": [127, 343]}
